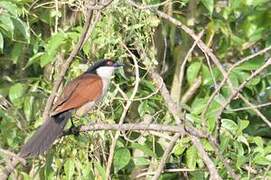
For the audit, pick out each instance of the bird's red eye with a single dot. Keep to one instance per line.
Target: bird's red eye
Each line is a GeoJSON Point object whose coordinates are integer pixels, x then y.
{"type": "Point", "coordinates": [110, 63]}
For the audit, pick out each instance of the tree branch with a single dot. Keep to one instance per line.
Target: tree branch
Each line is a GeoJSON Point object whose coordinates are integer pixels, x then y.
{"type": "Point", "coordinates": [128, 127]}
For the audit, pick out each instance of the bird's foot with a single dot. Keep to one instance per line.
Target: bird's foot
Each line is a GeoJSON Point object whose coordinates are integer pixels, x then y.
{"type": "Point", "coordinates": [75, 130]}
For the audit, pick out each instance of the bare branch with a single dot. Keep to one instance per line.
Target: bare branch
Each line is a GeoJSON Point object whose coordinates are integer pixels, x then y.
{"type": "Point", "coordinates": [129, 127]}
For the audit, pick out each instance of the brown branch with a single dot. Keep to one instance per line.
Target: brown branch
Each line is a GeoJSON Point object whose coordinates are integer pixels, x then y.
{"type": "Point", "coordinates": [209, 163]}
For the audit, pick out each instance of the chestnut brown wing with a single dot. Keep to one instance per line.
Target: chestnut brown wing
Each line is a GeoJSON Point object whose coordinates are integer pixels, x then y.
{"type": "Point", "coordinates": [84, 89]}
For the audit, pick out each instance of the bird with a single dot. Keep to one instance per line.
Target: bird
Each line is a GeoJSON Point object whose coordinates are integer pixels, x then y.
{"type": "Point", "coordinates": [79, 96]}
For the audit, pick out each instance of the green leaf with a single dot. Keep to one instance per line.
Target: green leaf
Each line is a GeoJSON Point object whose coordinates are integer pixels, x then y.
{"type": "Point", "coordinates": [141, 161]}
{"type": "Point", "coordinates": [16, 52]}
{"type": "Point", "coordinates": [7, 24]}
{"type": "Point", "coordinates": [86, 172]}
{"type": "Point", "coordinates": [252, 64]}
{"type": "Point", "coordinates": [101, 170]}
{"type": "Point", "coordinates": [121, 158]}
{"type": "Point", "coordinates": [261, 160]}
{"type": "Point", "coordinates": [16, 92]}
{"type": "Point", "coordinates": [144, 148]}
{"type": "Point", "coordinates": [9, 7]}
{"type": "Point", "coordinates": [258, 141]}
{"type": "Point", "coordinates": [181, 146]}
{"type": "Point", "coordinates": [34, 59]}
{"type": "Point", "coordinates": [209, 4]}
{"type": "Point", "coordinates": [243, 139]}
{"type": "Point", "coordinates": [243, 124]}
{"type": "Point", "coordinates": [198, 105]}
{"type": "Point", "coordinates": [230, 125]}
{"type": "Point", "coordinates": [193, 71]}
{"type": "Point", "coordinates": [52, 48]}
{"type": "Point", "coordinates": [28, 107]}
{"type": "Point", "coordinates": [1, 43]}
{"type": "Point", "coordinates": [69, 168]}
{"type": "Point", "coordinates": [191, 157]}
{"type": "Point", "coordinates": [22, 28]}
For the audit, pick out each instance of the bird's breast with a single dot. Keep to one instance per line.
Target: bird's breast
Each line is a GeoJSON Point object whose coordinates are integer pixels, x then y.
{"type": "Point", "coordinates": [84, 109]}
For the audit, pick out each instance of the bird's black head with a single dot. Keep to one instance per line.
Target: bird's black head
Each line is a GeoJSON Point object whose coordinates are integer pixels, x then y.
{"type": "Point", "coordinates": [103, 64]}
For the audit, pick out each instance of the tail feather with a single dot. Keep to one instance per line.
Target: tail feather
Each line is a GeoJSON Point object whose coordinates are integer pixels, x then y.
{"type": "Point", "coordinates": [45, 136]}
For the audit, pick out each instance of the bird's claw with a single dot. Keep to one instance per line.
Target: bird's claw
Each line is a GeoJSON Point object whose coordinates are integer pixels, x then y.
{"type": "Point", "coordinates": [75, 130]}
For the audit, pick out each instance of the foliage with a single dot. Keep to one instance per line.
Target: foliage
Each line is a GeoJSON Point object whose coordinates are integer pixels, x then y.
{"type": "Point", "coordinates": [36, 38]}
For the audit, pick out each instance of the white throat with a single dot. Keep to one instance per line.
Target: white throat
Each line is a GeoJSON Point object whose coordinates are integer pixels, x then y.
{"type": "Point", "coordinates": [105, 72]}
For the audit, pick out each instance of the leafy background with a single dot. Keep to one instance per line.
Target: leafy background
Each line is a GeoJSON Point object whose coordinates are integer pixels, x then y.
{"type": "Point", "coordinates": [36, 38]}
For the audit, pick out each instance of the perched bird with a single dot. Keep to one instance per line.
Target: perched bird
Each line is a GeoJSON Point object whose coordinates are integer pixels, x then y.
{"type": "Point", "coordinates": [80, 96]}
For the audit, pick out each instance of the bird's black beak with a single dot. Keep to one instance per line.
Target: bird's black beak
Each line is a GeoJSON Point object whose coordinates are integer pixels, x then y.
{"type": "Point", "coordinates": [117, 64]}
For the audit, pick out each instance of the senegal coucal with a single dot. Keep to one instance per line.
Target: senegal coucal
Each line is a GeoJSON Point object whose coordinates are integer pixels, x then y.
{"type": "Point", "coordinates": [80, 96]}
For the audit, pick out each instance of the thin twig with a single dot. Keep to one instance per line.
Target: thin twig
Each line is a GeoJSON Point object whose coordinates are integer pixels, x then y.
{"type": "Point", "coordinates": [166, 171]}
{"type": "Point", "coordinates": [249, 107]}
{"type": "Point", "coordinates": [182, 70]}
{"type": "Point", "coordinates": [191, 91]}
{"type": "Point", "coordinates": [165, 156]}
{"type": "Point", "coordinates": [239, 89]}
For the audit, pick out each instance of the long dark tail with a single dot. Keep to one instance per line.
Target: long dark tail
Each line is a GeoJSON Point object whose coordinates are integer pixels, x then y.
{"type": "Point", "coordinates": [45, 136]}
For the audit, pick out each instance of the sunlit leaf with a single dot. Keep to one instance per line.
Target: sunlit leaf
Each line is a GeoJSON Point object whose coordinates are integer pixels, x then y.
{"type": "Point", "coordinates": [7, 24]}
{"type": "Point", "coordinates": [16, 92]}
{"type": "Point", "coordinates": [69, 168]}
{"type": "Point", "coordinates": [191, 157]}
{"type": "Point", "coordinates": [230, 125]}
{"type": "Point", "coordinates": [141, 161]}
{"type": "Point", "coordinates": [101, 170]}
{"type": "Point", "coordinates": [52, 48]}
{"type": "Point", "coordinates": [9, 7]}
{"type": "Point", "coordinates": [209, 4]}
{"type": "Point", "coordinates": [1, 42]}
{"type": "Point", "coordinates": [192, 72]}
